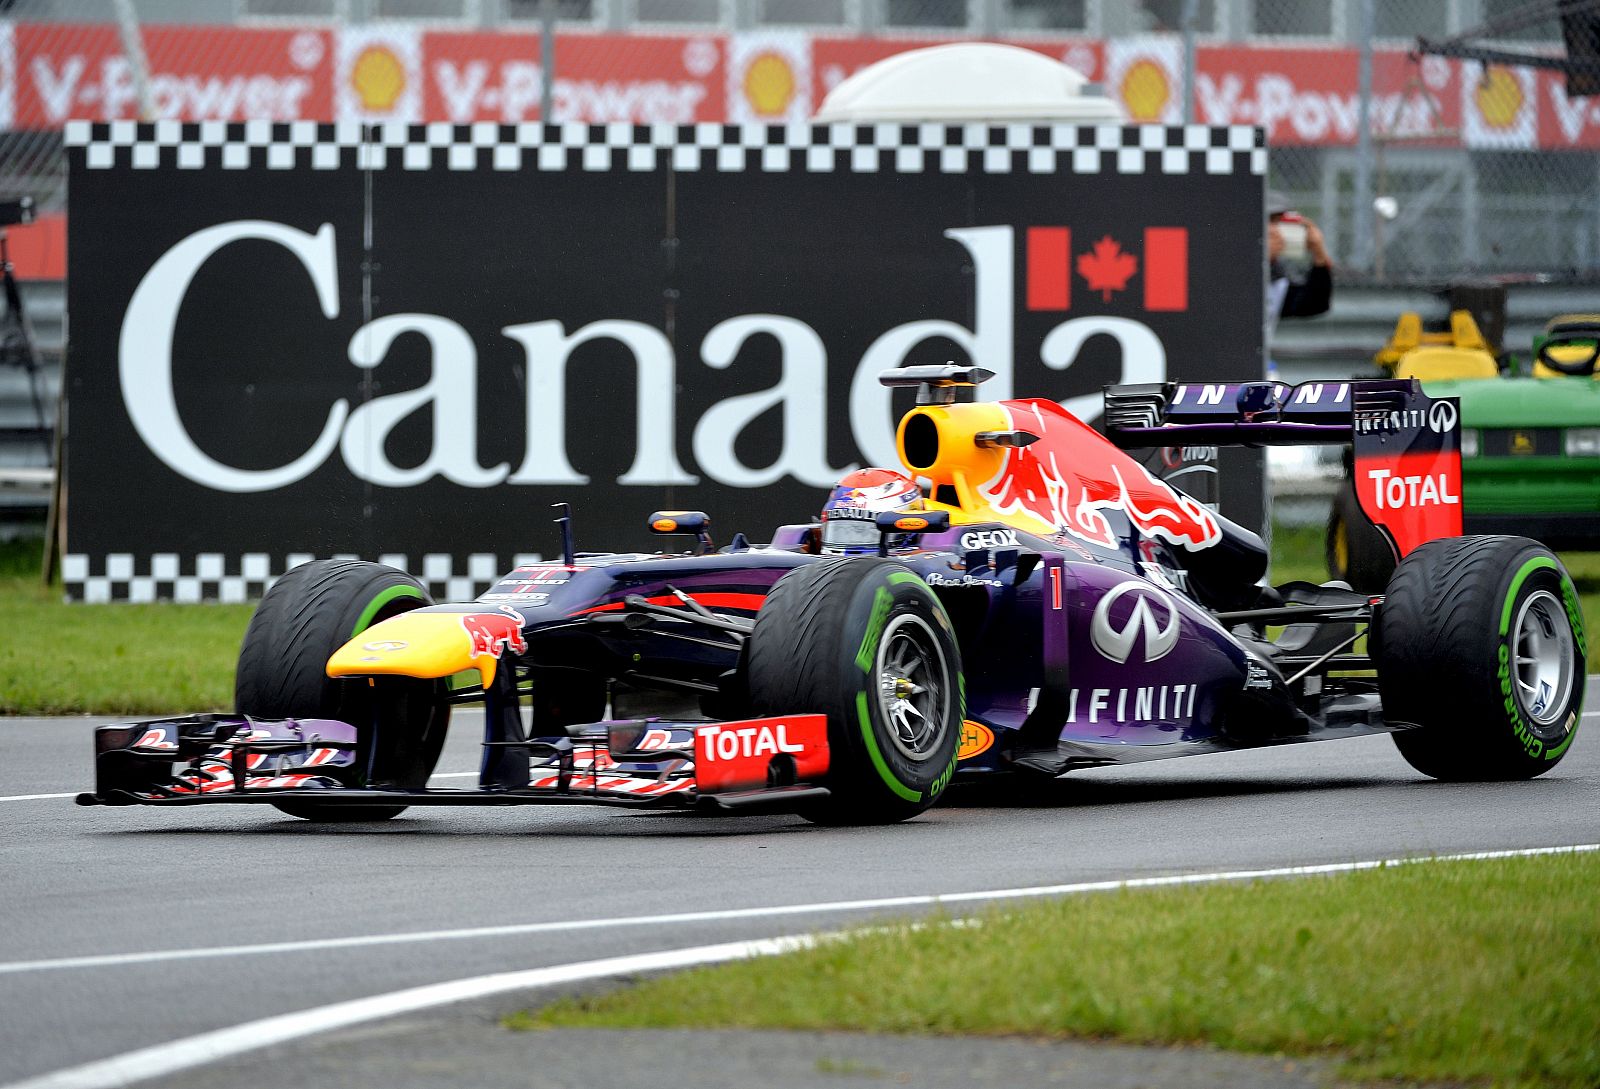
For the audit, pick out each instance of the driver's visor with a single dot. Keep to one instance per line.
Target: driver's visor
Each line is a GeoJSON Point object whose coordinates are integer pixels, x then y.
{"type": "Point", "coordinates": [849, 533]}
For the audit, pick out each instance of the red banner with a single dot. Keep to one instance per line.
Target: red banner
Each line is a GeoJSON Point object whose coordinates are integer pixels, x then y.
{"type": "Point", "coordinates": [497, 77]}
{"type": "Point", "coordinates": [196, 73]}
{"type": "Point", "coordinates": [407, 72]}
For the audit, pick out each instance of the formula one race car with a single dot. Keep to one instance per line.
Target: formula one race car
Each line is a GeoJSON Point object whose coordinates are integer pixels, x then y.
{"type": "Point", "coordinates": [1036, 601]}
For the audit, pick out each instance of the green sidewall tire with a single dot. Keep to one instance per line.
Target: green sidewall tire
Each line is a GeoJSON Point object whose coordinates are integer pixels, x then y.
{"type": "Point", "coordinates": [813, 650]}
{"type": "Point", "coordinates": [1443, 653]}
{"type": "Point", "coordinates": [308, 614]}
{"type": "Point", "coordinates": [1367, 561]}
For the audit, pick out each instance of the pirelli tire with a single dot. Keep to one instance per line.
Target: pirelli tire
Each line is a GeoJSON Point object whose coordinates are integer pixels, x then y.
{"type": "Point", "coordinates": [865, 642]}
{"type": "Point", "coordinates": [1356, 551]}
{"type": "Point", "coordinates": [1480, 644]}
{"type": "Point", "coordinates": [308, 614]}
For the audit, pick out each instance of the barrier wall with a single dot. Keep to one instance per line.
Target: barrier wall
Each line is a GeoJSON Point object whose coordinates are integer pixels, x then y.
{"type": "Point", "coordinates": [405, 342]}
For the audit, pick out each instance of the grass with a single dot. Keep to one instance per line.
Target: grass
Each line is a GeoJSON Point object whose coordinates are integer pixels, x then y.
{"type": "Point", "coordinates": [1477, 972]}
{"type": "Point", "coordinates": [57, 658]}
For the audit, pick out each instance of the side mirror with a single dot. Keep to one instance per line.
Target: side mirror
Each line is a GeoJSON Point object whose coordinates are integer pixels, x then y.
{"type": "Point", "coordinates": [694, 522]}
{"type": "Point", "coordinates": [927, 521]}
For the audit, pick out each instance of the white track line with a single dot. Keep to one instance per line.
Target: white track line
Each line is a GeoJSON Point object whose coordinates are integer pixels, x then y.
{"type": "Point", "coordinates": [37, 797]}
{"type": "Point", "coordinates": [210, 1047]}
{"type": "Point", "coordinates": [110, 960]}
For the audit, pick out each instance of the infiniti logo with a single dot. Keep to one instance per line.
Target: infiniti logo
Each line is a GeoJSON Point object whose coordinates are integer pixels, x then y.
{"type": "Point", "coordinates": [1117, 643]}
{"type": "Point", "coordinates": [1441, 417]}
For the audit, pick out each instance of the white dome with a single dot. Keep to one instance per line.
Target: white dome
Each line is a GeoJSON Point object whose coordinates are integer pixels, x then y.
{"type": "Point", "coordinates": [968, 81]}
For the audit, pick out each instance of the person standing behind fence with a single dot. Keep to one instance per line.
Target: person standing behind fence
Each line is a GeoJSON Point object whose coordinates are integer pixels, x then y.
{"type": "Point", "coordinates": [1292, 240]}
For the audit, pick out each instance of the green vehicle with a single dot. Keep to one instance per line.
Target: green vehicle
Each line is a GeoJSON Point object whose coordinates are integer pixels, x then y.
{"type": "Point", "coordinates": [1530, 442]}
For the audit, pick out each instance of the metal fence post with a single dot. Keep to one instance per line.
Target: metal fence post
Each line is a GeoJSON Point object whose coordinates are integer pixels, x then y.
{"type": "Point", "coordinates": [547, 60]}
{"type": "Point", "coordinates": [1191, 14]}
{"type": "Point", "coordinates": [1361, 218]}
{"type": "Point", "coordinates": [138, 65]}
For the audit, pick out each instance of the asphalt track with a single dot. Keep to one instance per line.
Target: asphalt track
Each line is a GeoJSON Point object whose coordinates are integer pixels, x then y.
{"type": "Point", "coordinates": [131, 927]}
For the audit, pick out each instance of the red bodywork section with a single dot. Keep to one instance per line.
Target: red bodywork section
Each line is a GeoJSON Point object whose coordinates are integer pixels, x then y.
{"type": "Point", "coordinates": [1407, 467]}
{"type": "Point", "coordinates": [1414, 496]}
{"type": "Point", "coordinates": [737, 755]}
{"type": "Point", "coordinates": [1072, 474]}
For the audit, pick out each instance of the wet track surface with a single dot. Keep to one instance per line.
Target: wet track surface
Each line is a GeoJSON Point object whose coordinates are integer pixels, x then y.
{"type": "Point", "coordinates": [78, 883]}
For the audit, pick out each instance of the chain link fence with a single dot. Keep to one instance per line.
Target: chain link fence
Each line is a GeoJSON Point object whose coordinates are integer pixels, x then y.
{"type": "Point", "coordinates": [1465, 168]}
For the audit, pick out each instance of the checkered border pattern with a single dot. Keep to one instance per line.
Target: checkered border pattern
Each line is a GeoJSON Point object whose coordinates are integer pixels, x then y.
{"type": "Point", "coordinates": [213, 576]}
{"type": "Point", "coordinates": [883, 147]}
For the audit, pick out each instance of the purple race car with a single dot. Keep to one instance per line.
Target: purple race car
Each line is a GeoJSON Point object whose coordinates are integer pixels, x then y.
{"type": "Point", "coordinates": [1025, 599]}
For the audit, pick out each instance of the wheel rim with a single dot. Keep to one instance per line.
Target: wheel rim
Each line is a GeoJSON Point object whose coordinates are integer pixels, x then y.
{"type": "Point", "coordinates": [1542, 660]}
{"type": "Point", "coordinates": [913, 687]}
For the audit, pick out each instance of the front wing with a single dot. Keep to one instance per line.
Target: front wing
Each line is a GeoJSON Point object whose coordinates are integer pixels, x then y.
{"type": "Point", "coordinates": [771, 763]}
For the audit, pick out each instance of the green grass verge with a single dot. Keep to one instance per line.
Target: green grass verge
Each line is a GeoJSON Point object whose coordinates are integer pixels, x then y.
{"type": "Point", "coordinates": [57, 658]}
{"type": "Point", "coordinates": [1479, 972]}
{"type": "Point", "coordinates": [109, 659]}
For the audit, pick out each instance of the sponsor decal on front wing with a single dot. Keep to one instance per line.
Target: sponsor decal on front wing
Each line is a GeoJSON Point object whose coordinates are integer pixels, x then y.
{"type": "Point", "coordinates": [738, 755]}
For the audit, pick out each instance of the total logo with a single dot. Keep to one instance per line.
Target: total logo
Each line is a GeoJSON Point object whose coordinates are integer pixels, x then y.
{"type": "Point", "coordinates": [725, 743]}
{"type": "Point", "coordinates": [1154, 616]}
{"type": "Point", "coordinates": [1398, 492]}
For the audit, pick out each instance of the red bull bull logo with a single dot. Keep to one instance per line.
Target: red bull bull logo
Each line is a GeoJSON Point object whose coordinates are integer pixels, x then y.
{"type": "Point", "coordinates": [1068, 478]}
{"type": "Point", "coordinates": [495, 633]}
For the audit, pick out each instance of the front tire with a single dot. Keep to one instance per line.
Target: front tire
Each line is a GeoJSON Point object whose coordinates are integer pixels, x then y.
{"type": "Point", "coordinates": [1481, 644]}
{"type": "Point", "coordinates": [865, 642]}
{"type": "Point", "coordinates": [308, 614]}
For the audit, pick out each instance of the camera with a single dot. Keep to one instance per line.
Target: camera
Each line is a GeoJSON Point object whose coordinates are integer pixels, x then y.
{"type": "Point", "coordinates": [15, 212]}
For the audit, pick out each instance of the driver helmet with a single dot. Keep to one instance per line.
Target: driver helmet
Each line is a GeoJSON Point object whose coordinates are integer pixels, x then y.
{"type": "Point", "coordinates": [848, 517]}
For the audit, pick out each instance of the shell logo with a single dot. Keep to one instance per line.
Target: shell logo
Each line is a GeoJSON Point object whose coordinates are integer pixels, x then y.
{"type": "Point", "coordinates": [378, 78]}
{"type": "Point", "coordinates": [1145, 90]}
{"type": "Point", "coordinates": [1499, 97]}
{"type": "Point", "coordinates": [975, 738]}
{"type": "Point", "coordinates": [769, 84]}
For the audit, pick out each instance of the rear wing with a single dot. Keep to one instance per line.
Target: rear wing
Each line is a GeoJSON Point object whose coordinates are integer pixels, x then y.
{"type": "Point", "coordinates": [1406, 446]}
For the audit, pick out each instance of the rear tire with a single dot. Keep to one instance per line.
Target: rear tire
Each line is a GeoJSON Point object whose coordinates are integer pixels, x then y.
{"type": "Point", "coordinates": [1356, 551]}
{"type": "Point", "coordinates": [865, 642]}
{"type": "Point", "coordinates": [1481, 644]}
{"type": "Point", "coordinates": [307, 615]}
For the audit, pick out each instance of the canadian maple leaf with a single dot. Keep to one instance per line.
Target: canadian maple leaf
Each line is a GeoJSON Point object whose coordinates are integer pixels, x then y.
{"type": "Point", "coordinates": [1106, 268]}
